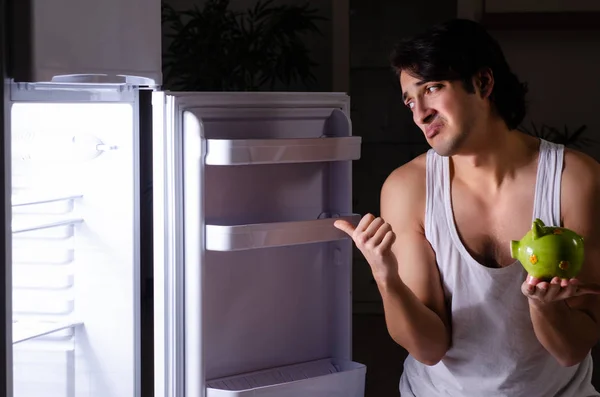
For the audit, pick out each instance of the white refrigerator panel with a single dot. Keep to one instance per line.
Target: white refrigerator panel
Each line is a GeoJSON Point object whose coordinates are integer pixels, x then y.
{"type": "Point", "coordinates": [65, 39]}
{"type": "Point", "coordinates": [75, 241]}
{"type": "Point", "coordinates": [266, 299]}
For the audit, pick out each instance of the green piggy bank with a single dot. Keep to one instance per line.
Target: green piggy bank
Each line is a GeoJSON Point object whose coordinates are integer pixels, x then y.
{"type": "Point", "coordinates": [547, 252]}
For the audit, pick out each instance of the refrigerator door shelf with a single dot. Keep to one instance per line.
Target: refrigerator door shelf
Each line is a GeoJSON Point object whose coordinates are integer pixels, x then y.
{"type": "Point", "coordinates": [323, 378]}
{"type": "Point", "coordinates": [277, 234]}
{"type": "Point", "coordinates": [270, 151]}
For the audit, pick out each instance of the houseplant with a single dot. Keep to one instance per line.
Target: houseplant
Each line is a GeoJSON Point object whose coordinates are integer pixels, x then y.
{"type": "Point", "coordinates": [214, 48]}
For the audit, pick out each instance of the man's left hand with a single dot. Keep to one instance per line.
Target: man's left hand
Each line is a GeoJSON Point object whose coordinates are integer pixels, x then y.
{"type": "Point", "coordinates": [557, 289]}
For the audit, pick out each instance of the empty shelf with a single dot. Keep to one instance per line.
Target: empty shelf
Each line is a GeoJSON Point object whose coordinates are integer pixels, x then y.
{"type": "Point", "coordinates": [269, 151]}
{"type": "Point", "coordinates": [323, 378]}
{"type": "Point", "coordinates": [29, 226]}
{"type": "Point", "coordinates": [22, 200]}
{"type": "Point", "coordinates": [263, 235]}
{"type": "Point", "coordinates": [23, 331]}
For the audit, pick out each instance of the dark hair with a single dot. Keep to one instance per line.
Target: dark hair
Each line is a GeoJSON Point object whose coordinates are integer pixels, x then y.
{"type": "Point", "coordinates": [457, 50]}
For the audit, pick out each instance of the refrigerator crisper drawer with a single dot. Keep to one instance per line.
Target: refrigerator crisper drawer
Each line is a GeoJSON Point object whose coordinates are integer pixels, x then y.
{"type": "Point", "coordinates": [323, 378]}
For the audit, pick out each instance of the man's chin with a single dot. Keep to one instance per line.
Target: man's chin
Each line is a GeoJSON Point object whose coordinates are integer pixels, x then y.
{"type": "Point", "coordinates": [444, 149]}
{"type": "Point", "coordinates": [443, 153]}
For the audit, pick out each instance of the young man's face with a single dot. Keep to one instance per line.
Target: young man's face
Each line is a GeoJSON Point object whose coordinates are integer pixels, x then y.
{"type": "Point", "coordinates": [445, 112]}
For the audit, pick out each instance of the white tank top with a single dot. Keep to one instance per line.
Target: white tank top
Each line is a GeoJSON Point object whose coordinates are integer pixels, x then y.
{"type": "Point", "coordinates": [494, 351]}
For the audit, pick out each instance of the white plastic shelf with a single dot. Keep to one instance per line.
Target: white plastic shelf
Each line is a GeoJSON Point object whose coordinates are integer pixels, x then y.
{"type": "Point", "coordinates": [24, 200]}
{"type": "Point", "coordinates": [30, 226]}
{"type": "Point", "coordinates": [322, 378]}
{"type": "Point", "coordinates": [26, 330]}
{"type": "Point", "coordinates": [272, 151]}
{"type": "Point", "coordinates": [278, 234]}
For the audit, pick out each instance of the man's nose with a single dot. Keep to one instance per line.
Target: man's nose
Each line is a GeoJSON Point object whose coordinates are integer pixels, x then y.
{"type": "Point", "coordinates": [423, 114]}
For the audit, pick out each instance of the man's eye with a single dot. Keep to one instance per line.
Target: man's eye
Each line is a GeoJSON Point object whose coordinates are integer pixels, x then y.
{"type": "Point", "coordinates": [433, 88]}
{"type": "Point", "coordinates": [410, 105]}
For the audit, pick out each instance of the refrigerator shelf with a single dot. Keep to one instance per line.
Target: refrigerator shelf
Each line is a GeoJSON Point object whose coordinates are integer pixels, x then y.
{"type": "Point", "coordinates": [271, 151]}
{"type": "Point", "coordinates": [277, 234]}
{"type": "Point", "coordinates": [322, 378]}
{"type": "Point", "coordinates": [26, 330]}
{"type": "Point", "coordinates": [30, 226]}
{"type": "Point", "coordinates": [23, 200]}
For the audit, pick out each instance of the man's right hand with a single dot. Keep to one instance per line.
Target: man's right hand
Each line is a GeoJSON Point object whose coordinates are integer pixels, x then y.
{"type": "Point", "coordinates": [374, 238]}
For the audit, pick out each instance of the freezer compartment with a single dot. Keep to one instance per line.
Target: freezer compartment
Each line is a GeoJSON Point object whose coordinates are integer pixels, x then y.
{"type": "Point", "coordinates": [278, 234]}
{"type": "Point", "coordinates": [322, 378]}
{"type": "Point", "coordinates": [271, 151]}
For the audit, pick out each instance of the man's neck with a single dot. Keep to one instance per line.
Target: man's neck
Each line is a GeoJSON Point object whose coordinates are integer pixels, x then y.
{"type": "Point", "coordinates": [493, 159]}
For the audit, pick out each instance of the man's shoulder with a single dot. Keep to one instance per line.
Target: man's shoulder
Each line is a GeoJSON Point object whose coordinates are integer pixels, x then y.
{"type": "Point", "coordinates": [580, 182]}
{"type": "Point", "coordinates": [580, 171]}
{"type": "Point", "coordinates": [407, 182]}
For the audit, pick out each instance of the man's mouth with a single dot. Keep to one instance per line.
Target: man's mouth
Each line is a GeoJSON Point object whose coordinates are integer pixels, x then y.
{"type": "Point", "coordinates": [433, 129]}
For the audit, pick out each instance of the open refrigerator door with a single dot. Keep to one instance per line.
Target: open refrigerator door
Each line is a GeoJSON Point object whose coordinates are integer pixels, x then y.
{"type": "Point", "coordinates": [75, 240]}
{"type": "Point", "coordinates": [257, 281]}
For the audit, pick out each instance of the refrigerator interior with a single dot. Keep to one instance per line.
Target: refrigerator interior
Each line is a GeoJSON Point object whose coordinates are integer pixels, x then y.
{"type": "Point", "coordinates": [266, 179]}
{"type": "Point", "coordinates": [74, 242]}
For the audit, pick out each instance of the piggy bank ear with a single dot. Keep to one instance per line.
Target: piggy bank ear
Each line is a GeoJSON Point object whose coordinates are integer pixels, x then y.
{"type": "Point", "coordinates": [537, 229]}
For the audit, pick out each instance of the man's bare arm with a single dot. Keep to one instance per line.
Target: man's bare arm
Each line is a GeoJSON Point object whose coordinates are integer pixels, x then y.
{"type": "Point", "coordinates": [413, 298]}
{"type": "Point", "coordinates": [569, 328]}
{"type": "Point", "coordinates": [404, 267]}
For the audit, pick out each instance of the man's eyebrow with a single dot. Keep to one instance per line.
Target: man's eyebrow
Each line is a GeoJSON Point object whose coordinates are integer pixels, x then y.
{"type": "Point", "coordinates": [418, 84]}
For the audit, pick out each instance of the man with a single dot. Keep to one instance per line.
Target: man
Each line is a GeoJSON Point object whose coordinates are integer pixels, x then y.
{"type": "Point", "coordinates": [473, 322]}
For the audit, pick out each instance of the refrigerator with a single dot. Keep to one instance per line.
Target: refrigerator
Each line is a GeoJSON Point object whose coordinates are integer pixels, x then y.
{"type": "Point", "coordinates": [168, 244]}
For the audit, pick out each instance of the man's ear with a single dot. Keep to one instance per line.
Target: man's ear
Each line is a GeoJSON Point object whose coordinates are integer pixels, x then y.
{"type": "Point", "coordinates": [484, 82]}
